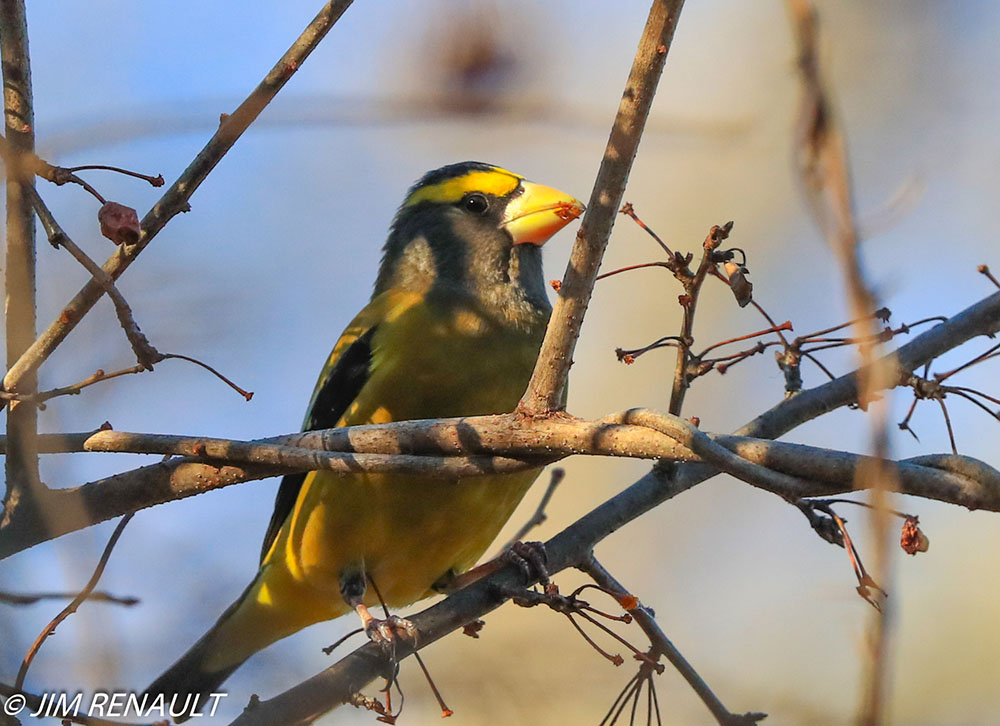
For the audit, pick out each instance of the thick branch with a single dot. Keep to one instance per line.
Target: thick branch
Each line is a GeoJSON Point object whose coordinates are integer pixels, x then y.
{"type": "Point", "coordinates": [175, 200]}
{"type": "Point", "coordinates": [445, 448]}
{"type": "Point", "coordinates": [22, 421]}
{"type": "Point", "coordinates": [545, 391]}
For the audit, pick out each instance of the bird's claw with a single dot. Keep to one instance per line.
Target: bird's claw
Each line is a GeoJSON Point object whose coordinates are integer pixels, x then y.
{"type": "Point", "coordinates": [531, 558]}
{"type": "Point", "coordinates": [384, 631]}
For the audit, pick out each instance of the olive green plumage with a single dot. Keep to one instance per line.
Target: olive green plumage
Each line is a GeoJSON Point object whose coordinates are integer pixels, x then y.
{"type": "Point", "coordinates": [453, 329]}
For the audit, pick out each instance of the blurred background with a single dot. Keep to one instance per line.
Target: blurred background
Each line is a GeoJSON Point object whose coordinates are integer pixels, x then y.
{"type": "Point", "coordinates": [283, 241]}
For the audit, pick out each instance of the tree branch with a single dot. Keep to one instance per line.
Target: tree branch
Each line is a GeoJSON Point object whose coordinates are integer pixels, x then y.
{"type": "Point", "coordinates": [545, 391]}
{"type": "Point", "coordinates": [175, 199]}
{"type": "Point", "coordinates": [504, 443]}
{"type": "Point", "coordinates": [661, 643]}
{"type": "Point", "coordinates": [23, 483]}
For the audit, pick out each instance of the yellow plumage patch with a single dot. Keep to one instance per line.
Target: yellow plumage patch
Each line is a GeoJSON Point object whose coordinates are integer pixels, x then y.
{"type": "Point", "coordinates": [498, 182]}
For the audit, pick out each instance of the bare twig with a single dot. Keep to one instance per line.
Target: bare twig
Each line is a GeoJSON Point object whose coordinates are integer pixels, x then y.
{"type": "Point", "coordinates": [73, 389]}
{"type": "Point", "coordinates": [545, 391]}
{"type": "Point", "coordinates": [19, 598]}
{"type": "Point", "coordinates": [662, 645]}
{"type": "Point", "coordinates": [787, 325]}
{"type": "Point", "coordinates": [629, 268]}
{"type": "Point", "coordinates": [991, 352]}
{"type": "Point", "coordinates": [692, 291]}
{"type": "Point", "coordinates": [155, 181]}
{"type": "Point", "coordinates": [243, 392]}
{"type": "Point", "coordinates": [72, 607]}
{"type": "Point", "coordinates": [538, 518]}
{"type": "Point", "coordinates": [983, 269]}
{"type": "Point", "coordinates": [629, 210]}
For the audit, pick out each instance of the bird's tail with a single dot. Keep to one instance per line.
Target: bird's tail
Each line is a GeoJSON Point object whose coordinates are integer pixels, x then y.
{"type": "Point", "coordinates": [265, 613]}
{"type": "Point", "coordinates": [187, 684]}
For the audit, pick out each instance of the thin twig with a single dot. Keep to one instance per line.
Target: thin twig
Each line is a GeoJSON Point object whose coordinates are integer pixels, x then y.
{"type": "Point", "coordinates": [967, 397]}
{"type": "Point", "coordinates": [17, 598]}
{"type": "Point", "coordinates": [246, 394]}
{"type": "Point", "coordinates": [629, 268]}
{"type": "Point", "coordinates": [629, 210]}
{"type": "Point", "coordinates": [941, 377]}
{"type": "Point", "coordinates": [72, 607]}
{"type": "Point", "coordinates": [760, 309]}
{"type": "Point", "coordinates": [662, 645]}
{"type": "Point", "coordinates": [947, 423]}
{"type": "Point", "coordinates": [989, 275]}
{"type": "Point", "coordinates": [155, 181]}
{"type": "Point", "coordinates": [99, 376]}
{"type": "Point", "coordinates": [787, 325]}
{"type": "Point", "coordinates": [538, 518]}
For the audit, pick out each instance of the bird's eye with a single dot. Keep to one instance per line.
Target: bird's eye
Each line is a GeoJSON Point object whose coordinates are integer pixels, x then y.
{"type": "Point", "coordinates": [475, 203]}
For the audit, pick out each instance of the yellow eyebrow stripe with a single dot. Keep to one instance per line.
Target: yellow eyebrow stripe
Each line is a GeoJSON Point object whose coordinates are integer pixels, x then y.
{"type": "Point", "coordinates": [498, 182]}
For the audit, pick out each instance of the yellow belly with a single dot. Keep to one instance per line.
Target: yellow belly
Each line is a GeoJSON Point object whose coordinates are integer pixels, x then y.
{"type": "Point", "coordinates": [407, 532]}
{"type": "Point", "coordinates": [404, 532]}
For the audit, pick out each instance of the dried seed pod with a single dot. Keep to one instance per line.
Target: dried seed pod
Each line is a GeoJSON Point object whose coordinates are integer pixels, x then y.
{"type": "Point", "coordinates": [742, 288]}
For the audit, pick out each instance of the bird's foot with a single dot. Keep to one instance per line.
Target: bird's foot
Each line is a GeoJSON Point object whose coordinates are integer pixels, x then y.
{"type": "Point", "coordinates": [384, 631]}
{"type": "Point", "coordinates": [531, 558]}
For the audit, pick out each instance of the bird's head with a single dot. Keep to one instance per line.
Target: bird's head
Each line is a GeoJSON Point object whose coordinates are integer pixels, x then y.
{"type": "Point", "coordinates": [475, 229]}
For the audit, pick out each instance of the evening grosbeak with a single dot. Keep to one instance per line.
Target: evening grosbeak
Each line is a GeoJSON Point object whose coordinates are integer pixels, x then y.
{"type": "Point", "coordinates": [453, 328]}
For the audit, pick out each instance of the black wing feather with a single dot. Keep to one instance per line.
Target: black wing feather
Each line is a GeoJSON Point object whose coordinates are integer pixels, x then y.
{"type": "Point", "coordinates": [342, 386]}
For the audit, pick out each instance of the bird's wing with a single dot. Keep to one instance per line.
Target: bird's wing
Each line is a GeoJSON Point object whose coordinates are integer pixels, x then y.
{"type": "Point", "coordinates": [340, 382]}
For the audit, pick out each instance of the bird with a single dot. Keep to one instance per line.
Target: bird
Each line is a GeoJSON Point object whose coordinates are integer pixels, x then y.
{"type": "Point", "coordinates": [453, 328]}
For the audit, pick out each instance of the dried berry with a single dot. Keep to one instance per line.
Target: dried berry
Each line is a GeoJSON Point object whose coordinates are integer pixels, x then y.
{"type": "Point", "coordinates": [912, 539]}
{"type": "Point", "coordinates": [119, 223]}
